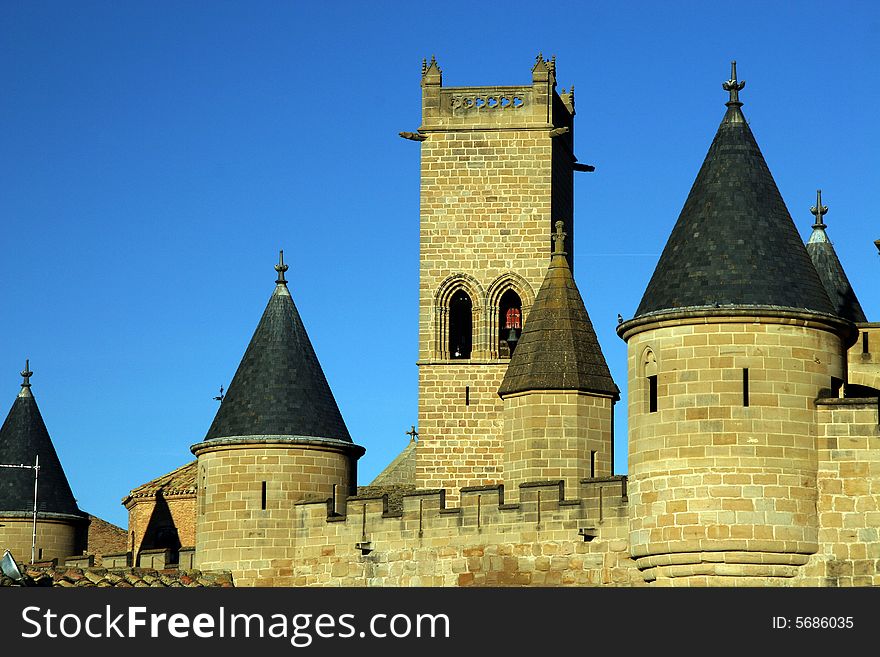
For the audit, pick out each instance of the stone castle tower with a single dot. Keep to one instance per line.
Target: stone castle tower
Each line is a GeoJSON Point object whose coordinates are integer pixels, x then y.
{"type": "Point", "coordinates": [753, 384]}
{"type": "Point", "coordinates": [61, 527]}
{"type": "Point", "coordinates": [496, 172]}
{"type": "Point", "coordinates": [558, 393]}
{"type": "Point", "coordinates": [732, 343]}
{"type": "Point", "coordinates": [277, 439]}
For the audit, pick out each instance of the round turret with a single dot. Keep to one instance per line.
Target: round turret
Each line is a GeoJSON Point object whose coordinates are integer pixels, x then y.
{"type": "Point", "coordinates": [558, 392]}
{"type": "Point", "coordinates": [277, 439]}
{"type": "Point", "coordinates": [732, 343]}
{"type": "Point", "coordinates": [31, 475]}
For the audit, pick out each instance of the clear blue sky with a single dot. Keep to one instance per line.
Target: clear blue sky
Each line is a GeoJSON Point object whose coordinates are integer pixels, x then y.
{"type": "Point", "coordinates": [154, 156]}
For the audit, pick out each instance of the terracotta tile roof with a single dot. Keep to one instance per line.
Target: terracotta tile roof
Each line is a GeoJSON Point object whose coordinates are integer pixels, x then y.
{"type": "Point", "coordinates": [120, 578]}
{"type": "Point", "coordinates": [179, 481]}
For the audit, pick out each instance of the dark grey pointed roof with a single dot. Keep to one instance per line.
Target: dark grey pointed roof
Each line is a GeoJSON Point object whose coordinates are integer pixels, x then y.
{"type": "Point", "coordinates": [279, 388]}
{"type": "Point", "coordinates": [558, 349]}
{"type": "Point", "coordinates": [830, 271]}
{"type": "Point", "coordinates": [23, 437]}
{"type": "Point", "coordinates": [734, 243]}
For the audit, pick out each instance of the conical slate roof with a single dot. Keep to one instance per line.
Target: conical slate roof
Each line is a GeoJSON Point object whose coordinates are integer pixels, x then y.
{"type": "Point", "coordinates": [23, 437]}
{"type": "Point", "coordinates": [734, 243]}
{"type": "Point", "coordinates": [279, 388]}
{"type": "Point", "coordinates": [827, 264]}
{"type": "Point", "coordinates": [558, 349]}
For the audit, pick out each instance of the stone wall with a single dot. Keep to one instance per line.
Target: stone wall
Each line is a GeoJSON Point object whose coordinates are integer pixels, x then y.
{"type": "Point", "coordinates": [56, 538]}
{"type": "Point", "coordinates": [482, 542]}
{"type": "Point", "coordinates": [556, 435]}
{"type": "Point", "coordinates": [849, 495]}
{"type": "Point", "coordinates": [721, 489]}
{"type": "Point", "coordinates": [107, 538]}
{"type": "Point", "coordinates": [863, 357]}
{"type": "Point", "coordinates": [154, 515]}
{"type": "Point", "coordinates": [459, 426]}
{"type": "Point", "coordinates": [238, 526]}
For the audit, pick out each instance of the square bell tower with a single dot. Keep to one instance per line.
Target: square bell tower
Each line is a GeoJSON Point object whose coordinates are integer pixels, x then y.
{"type": "Point", "coordinates": [497, 170]}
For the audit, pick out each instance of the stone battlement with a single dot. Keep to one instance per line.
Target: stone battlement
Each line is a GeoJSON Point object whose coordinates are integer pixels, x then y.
{"type": "Point", "coordinates": [534, 106]}
{"type": "Point", "coordinates": [546, 539]}
{"type": "Point", "coordinates": [598, 499]}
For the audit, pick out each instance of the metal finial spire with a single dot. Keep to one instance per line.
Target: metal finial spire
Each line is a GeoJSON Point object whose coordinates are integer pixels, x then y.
{"type": "Point", "coordinates": [733, 85]}
{"type": "Point", "coordinates": [26, 374]}
{"type": "Point", "coordinates": [281, 268]}
{"type": "Point", "coordinates": [220, 397]}
{"type": "Point", "coordinates": [559, 239]}
{"type": "Point", "coordinates": [819, 210]}
{"type": "Point", "coordinates": [413, 434]}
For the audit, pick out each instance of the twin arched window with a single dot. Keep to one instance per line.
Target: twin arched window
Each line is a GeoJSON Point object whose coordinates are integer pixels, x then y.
{"type": "Point", "coordinates": [470, 324]}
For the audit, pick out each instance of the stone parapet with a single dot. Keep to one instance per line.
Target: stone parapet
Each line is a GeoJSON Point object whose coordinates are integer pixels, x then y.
{"type": "Point", "coordinates": [552, 537]}
{"type": "Point", "coordinates": [848, 503]}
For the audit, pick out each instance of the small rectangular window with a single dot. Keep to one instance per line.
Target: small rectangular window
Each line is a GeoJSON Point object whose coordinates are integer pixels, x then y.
{"type": "Point", "coordinates": [865, 343]}
{"type": "Point", "coordinates": [467, 395]}
{"type": "Point", "coordinates": [263, 500]}
{"type": "Point", "coordinates": [652, 394]}
{"type": "Point", "coordinates": [592, 463]}
{"type": "Point", "coordinates": [745, 386]}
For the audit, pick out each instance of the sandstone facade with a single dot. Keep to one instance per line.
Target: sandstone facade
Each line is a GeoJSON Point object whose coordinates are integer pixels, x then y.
{"type": "Point", "coordinates": [494, 176]}
{"type": "Point", "coordinates": [754, 422]}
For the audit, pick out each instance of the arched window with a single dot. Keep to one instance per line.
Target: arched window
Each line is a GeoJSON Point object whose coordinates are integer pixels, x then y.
{"type": "Point", "coordinates": [508, 301]}
{"type": "Point", "coordinates": [461, 325]}
{"type": "Point", "coordinates": [509, 323]}
{"type": "Point", "coordinates": [649, 365]}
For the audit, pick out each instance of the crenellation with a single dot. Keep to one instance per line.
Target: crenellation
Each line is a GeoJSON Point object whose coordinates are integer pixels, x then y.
{"type": "Point", "coordinates": [498, 546]}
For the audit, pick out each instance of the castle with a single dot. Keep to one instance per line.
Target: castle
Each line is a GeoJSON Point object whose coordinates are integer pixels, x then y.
{"type": "Point", "coordinates": [753, 398]}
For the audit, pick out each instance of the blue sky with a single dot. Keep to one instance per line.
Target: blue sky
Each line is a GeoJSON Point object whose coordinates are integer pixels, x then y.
{"type": "Point", "coordinates": [155, 156]}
